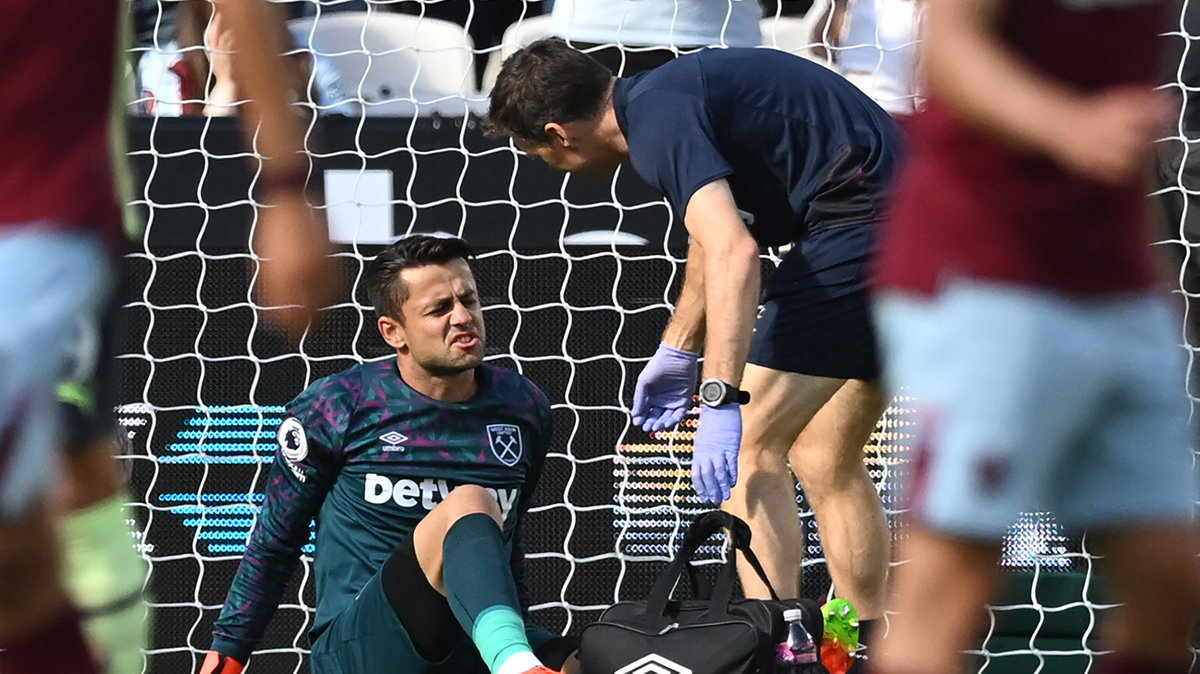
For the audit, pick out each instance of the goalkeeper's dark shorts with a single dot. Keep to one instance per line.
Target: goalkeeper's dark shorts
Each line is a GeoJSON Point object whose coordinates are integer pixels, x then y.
{"type": "Point", "coordinates": [816, 316]}
{"type": "Point", "coordinates": [368, 637]}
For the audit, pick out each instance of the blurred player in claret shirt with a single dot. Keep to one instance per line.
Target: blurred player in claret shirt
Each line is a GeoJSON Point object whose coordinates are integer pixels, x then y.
{"type": "Point", "coordinates": [60, 237]}
{"type": "Point", "coordinates": [1020, 305]}
{"type": "Point", "coordinates": [419, 471]}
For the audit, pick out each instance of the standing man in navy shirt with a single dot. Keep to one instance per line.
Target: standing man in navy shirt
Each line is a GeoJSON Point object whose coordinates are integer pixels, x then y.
{"type": "Point", "coordinates": [752, 148]}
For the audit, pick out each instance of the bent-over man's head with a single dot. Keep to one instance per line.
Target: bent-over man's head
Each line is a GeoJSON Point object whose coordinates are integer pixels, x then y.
{"type": "Point", "coordinates": [555, 102]}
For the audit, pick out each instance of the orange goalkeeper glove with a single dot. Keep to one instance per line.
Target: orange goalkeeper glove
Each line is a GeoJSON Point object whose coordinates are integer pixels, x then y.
{"type": "Point", "coordinates": [215, 663]}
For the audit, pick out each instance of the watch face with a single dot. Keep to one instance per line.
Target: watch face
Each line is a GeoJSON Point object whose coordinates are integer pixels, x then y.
{"type": "Point", "coordinates": [711, 392]}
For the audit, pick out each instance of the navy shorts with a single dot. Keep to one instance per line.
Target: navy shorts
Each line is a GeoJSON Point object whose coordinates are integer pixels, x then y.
{"type": "Point", "coordinates": [815, 317]}
{"type": "Point", "coordinates": [367, 637]}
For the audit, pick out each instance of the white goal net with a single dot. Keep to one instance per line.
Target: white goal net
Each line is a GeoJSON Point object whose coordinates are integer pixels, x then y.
{"type": "Point", "coordinates": [577, 279]}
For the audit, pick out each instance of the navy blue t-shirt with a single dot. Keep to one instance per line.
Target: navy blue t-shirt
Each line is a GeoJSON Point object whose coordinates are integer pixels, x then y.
{"type": "Point", "coordinates": [801, 147]}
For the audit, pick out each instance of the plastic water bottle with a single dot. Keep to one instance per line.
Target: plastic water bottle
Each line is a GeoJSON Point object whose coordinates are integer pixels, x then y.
{"type": "Point", "coordinates": [799, 647]}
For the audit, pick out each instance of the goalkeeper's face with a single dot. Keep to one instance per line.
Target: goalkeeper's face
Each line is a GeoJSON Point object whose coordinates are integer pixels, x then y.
{"type": "Point", "coordinates": [443, 331]}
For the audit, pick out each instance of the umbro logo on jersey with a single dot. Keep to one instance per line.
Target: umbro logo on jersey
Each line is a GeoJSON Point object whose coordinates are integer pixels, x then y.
{"type": "Point", "coordinates": [392, 441]}
{"type": "Point", "coordinates": [654, 664]}
{"type": "Point", "coordinates": [506, 442]}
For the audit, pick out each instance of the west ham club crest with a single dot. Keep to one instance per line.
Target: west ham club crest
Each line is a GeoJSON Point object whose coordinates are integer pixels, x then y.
{"type": "Point", "coordinates": [506, 442]}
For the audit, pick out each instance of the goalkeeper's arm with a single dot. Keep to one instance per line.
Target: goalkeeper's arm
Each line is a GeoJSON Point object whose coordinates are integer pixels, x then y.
{"type": "Point", "coordinates": [294, 492]}
{"type": "Point", "coordinates": [550, 648]}
{"type": "Point", "coordinates": [270, 558]}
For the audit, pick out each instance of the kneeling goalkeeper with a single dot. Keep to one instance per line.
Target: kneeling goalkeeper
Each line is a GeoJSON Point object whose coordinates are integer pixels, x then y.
{"type": "Point", "coordinates": [419, 471]}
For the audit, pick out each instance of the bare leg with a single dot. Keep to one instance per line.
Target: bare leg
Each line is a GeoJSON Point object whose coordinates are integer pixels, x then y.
{"type": "Point", "coordinates": [572, 666]}
{"type": "Point", "coordinates": [827, 458]}
{"type": "Point", "coordinates": [431, 531]}
{"type": "Point", "coordinates": [460, 549]}
{"type": "Point", "coordinates": [39, 630]}
{"type": "Point", "coordinates": [102, 570]}
{"type": "Point", "coordinates": [93, 475]}
{"type": "Point", "coordinates": [781, 404]}
{"type": "Point", "coordinates": [1153, 572]}
{"type": "Point", "coordinates": [936, 618]}
{"type": "Point", "coordinates": [33, 597]}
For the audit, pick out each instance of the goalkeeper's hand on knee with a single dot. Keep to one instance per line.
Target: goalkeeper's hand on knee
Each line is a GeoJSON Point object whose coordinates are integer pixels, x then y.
{"type": "Point", "coordinates": [216, 663]}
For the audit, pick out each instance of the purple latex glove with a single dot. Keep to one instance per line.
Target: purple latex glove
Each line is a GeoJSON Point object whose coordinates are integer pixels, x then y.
{"type": "Point", "coordinates": [665, 388]}
{"type": "Point", "coordinates": [715, 457]}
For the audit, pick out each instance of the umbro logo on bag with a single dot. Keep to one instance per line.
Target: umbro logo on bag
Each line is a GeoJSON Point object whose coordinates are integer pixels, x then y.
{"type": "Point", "coordinates": [392, 441]}
{"type": "Point", "coordinates": [654, 664]}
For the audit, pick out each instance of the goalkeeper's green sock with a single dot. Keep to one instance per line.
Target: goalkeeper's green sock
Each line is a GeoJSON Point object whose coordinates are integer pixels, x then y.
{"type": "Point", "coordinates": [483, 595]}
{"type": "Point", "coordinates": [104, 575]}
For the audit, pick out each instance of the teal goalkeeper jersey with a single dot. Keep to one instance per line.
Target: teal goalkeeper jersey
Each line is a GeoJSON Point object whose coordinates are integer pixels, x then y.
{"type": "Point", "coordinates": [368, 457]}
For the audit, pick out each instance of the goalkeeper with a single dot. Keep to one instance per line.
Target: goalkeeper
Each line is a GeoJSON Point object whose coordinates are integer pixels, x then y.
{"type": "Point", "coordinates": [419, 471]}
{"type": "Point", "coordinates": [751, 147]}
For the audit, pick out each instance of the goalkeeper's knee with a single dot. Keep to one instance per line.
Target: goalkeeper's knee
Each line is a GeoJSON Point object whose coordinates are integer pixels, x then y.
{"type": "Point", "coordinates": [104, 575]}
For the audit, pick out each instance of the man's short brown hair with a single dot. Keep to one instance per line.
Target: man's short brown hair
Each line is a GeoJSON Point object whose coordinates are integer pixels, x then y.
{"type": "Point", "coordinates": [386, 288]}
{"type": "Point", "coordinates": [548, 81]}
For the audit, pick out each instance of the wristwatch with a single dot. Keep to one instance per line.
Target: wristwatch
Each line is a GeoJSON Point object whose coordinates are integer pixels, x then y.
{"type": "Point", "coordinates": [715, 393]}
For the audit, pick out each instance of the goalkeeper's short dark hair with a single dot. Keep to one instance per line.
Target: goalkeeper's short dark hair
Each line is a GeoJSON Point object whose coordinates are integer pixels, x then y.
{"type": "Point", "coordinates": [386, 290]}
{"type": "Point", "coordinates": [548, 81]}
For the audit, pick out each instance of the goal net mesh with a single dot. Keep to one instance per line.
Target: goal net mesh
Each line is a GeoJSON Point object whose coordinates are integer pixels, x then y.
{"type": "Point", "coordinates": [577, 279]}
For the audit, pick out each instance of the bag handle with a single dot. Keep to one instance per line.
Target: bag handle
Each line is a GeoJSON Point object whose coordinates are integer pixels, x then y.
{"type": "Point", "coordinates": [705, 526]}
{"type": "Point", "coordinates": [723, 589]}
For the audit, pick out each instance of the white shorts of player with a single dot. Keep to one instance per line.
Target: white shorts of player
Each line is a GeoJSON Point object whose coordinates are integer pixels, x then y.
{"type": "Point", "coordinates": [49, 280]}
{"type": "Point", "coordinates": [1030, 401]}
